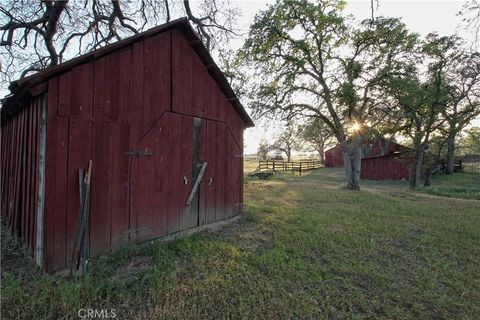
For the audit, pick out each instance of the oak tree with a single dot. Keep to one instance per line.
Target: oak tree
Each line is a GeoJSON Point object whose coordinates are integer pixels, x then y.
{"type": "Point", "coordinates": [311, 61]}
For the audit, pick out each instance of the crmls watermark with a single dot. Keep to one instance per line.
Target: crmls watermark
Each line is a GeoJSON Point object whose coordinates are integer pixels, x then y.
{"type": "Point", "coordinates": [97, 314]}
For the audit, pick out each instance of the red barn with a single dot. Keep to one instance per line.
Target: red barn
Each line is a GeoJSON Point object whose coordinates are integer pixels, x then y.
{"type": "Point", "coordinates": [371, 148]}
{"type": "Point", "coordinates": [392, 166]}
{"type": "Point", "coordinates": [381, 160]}
{"type": "Point", "coordinates": [149, 111]}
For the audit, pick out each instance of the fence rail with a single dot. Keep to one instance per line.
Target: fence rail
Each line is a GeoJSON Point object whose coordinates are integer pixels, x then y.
{"type": "Point", "coordinates": [298, 166]}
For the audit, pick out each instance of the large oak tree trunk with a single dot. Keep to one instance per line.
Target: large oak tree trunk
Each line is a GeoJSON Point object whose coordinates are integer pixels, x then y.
{"type": "Point", "coordinates": [322, 156]}
{"type": "Point", "coordinates": [352, 159]}
{"type": "Point", "coordinates": [415, 174]}
{"type": "Point", "coordinates": [450, 153]}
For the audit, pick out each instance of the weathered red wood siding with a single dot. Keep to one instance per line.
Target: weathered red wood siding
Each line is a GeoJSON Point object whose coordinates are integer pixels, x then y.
{"type": "Point", "coordinates": [19, 171]}
{"type": "Point", "coordinates": [334, 157]}
{"type": "Point", "coordinates": [145, 97]}
{"type": "Point", "coordinates": [371, 148]}
{"type": "Point", "coordinates": [387, 167]}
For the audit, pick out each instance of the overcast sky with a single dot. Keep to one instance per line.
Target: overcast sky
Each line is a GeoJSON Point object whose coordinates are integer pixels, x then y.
{"type": "Point", "coordinates": [420, 16]}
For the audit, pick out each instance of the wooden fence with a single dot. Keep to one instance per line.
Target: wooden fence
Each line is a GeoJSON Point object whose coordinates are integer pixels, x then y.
{"type": "Point", "coordinates": [298, 166]}
{"type": "Point", "coordinates": [469, 163]}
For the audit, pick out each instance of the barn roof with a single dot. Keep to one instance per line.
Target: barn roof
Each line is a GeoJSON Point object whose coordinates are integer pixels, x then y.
{"type": "Point", "coordinates": [20, 89]}
{"type": "Point", "coordinates": [391, 154]}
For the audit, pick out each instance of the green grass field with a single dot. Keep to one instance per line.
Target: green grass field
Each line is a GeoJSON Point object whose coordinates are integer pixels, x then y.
{"type": "Point", "coordinates": [306, 248]}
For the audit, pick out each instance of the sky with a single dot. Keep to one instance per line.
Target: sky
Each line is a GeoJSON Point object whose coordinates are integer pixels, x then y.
{"type": "Point", "coordinates": [422, 17]}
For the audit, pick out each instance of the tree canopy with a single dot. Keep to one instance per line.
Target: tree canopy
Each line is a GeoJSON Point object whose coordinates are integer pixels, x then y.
{"type": "Point", "coordinates": [360, 79]}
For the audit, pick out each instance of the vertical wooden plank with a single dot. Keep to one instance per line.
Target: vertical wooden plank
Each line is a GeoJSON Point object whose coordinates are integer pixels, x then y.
{"type": "Point", "coordinates": [135, 115]}
{"type": "Point", "coordinates": [11, 182]}
{"type": "Point", "coordinates": [198, 85]}
{"type": "Point", "coordinates": [210, 100]}
{"type": "Point", "coordinates": [39, 167]}
{"type": "Point", "coordinates": [222, 107]}
{"type": "Point", "coordinates": [28, 173]}
{"type": "Point", "coordinates": [182, 74]}
{"type": "Point", "coordinates": [202, 191]}
{"type": "Point", "coordinates": [3, 163]}
{"type": "Point", "coordinates": [175, 178]}
{"type": "Point", "coordinates": [79, 151]}
{"type": "Point", "coordinates": [187, 216]}
{"type": "Point", "coordinates": [60, 205]}
{"type": "Point", "coordinates": [13, 198]}
{"type": "Point", "coordinates": [157, 72]}
{"type": "Point", "coordinates": [137, 104]}
{"type": "Point", "coordinates": [160, 181]}
{"type": "Point", "coordinates": [220, 165]}
{"type": "Point", "coordinates": [211, 177]}
{"type": "Point", "coordinates": [15, 176]}
{"type": "Point", "coordinates": [237, 160]}
{"type": "Point", "coordinates": [19, 212]}
{"type": "Point", "coordinates": [8, 169]}
{"type": "Point", "coordinates": [6, 152]}
{"type": "Point", "coordinates": [50, 170]}
{"type": "Point", "coordinates": [143, 170]}
{"type": "Point", "coordinates": [120, 186]}
{"type": "Point", "coordinates": [23, 158]}
{"type": "Point", "coordinates": [100, 94]}
{"type": "Point", "coordinates": [80, 100]}
{"type": "Point", "coordinates": [65, 94]}
{"type": "Point", "coordinates": [36, 125]}
{"type": "Point", "coordinates": [113, 86]}
{"type": "Point", "coordinates": [230, 182]}
{"type": "Point", "coordinates": [101, 188]}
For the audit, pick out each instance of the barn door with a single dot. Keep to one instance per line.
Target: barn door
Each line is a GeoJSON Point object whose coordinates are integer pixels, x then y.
{"type": "Point", "coordinates": [150, 181]}
{"type": "Point", "coordinates": [210, 181]}
{"type": "Point", "coordinates": [191, 172]}
{"type": "Point", "coordinates": [165, 164]}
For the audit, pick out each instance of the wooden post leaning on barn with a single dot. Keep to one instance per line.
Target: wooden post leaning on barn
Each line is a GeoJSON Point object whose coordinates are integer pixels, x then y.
{"type": "Point", "coordinates": [80, 250]}
{"type": "Point", "coordinates": [197, 184]}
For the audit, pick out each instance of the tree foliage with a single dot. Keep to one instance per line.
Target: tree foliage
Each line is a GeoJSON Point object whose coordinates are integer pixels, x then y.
{"type": "Point", "coordinates": [313, 62]}
{"type": "Point", "coordinates": [287, 142]}
{"type": "Point", "coordinates": [469, 141]}
{"type": "Point", "coordinates": [316, 136]}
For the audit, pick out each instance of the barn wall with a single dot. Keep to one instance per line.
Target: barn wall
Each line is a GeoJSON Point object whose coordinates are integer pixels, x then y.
{"type": "Point", "coordinates": [388, 167]}
{"type": "Point", "coordinates": [19, 171]}
{"type": "Point", "coordinates": [189, 75]}
{"type": "Point", "coordinates": [370, 148]}
{"type": "Point", "coordinates": [334, 157]}
{"type": "Point", "coordinates": [143, 97]}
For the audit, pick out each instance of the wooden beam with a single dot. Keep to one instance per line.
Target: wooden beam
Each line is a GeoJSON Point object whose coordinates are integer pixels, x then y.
{"type": "Point", "coordinates": [41, 183]}
{"type": "Point", "coordinates": [197, 183]}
